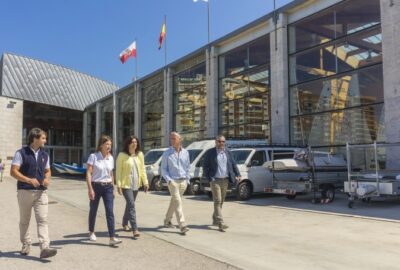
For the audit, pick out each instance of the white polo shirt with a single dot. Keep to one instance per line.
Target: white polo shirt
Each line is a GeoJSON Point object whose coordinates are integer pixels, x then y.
{"type": "Point", "coordinates": [102, 167]}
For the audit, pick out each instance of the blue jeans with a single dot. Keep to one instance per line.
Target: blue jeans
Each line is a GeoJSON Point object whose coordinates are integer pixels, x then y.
{"type": "Point", "coordinates": [130, 211]}
{"type": "Point", "coordinates": [107, 193]}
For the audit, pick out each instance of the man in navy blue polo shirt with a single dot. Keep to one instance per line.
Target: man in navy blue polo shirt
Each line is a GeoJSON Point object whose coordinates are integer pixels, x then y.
{"type": "Point", "coordinates": [31, 168]}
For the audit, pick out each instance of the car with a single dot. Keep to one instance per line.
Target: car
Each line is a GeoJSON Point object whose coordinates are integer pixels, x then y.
{"type": "Point", "coordinates": [255, 177]}
{"type": "Point", "coordinates": [152, 162]}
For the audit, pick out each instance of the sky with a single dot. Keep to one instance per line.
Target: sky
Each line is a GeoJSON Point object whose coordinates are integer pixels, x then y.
{"type": "Point", "coordinates": [88, 36]}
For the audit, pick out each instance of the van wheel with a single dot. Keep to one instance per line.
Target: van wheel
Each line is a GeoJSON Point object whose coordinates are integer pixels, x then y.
{"type": "Point", "coordinates": [195, 187]}
{"type": "Point", "coordinates": [291, 197]}
{"type": "Point", "coordinates": [244, 191]}
{"type": "Point", "coordinates": [329, 193]}
{"type": "Point", "coordinates": [157, 184]}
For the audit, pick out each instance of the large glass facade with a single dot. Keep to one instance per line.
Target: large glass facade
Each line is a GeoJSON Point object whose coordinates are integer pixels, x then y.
{"type": "Point", "coordinates": [64, 129]}
{"type": "Point", "coordinates": [153, 112]}
{"type": "Point", "coordinates": [107, 117]}
{"type": "Point", "coordinates": [244, 91]}
{"type": "Point", "coordinates": [190, 98]}
{"type": "Point", "coordinates": [336, 76]}
{"type": "Point", "coordinates": [126, 115]}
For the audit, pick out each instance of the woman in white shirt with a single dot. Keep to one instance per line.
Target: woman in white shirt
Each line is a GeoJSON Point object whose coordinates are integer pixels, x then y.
{"type": "Point", "coordinates": [100, 182]}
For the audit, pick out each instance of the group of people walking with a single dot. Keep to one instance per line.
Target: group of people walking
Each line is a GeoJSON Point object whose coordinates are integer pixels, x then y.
{"type": "Point", "coordinates": [31, 168]}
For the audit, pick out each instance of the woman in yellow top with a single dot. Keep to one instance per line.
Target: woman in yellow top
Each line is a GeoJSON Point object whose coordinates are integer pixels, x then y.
{"type": "Point", "coordinates": [130, 176]}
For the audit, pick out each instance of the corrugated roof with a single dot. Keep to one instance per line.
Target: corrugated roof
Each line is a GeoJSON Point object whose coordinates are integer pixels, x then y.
{"type": "Point", "coordinates": [38, 81]}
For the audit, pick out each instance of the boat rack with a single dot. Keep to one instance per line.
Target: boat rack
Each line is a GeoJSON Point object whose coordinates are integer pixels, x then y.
{"type": "Point", "coordinates": [366, 184]}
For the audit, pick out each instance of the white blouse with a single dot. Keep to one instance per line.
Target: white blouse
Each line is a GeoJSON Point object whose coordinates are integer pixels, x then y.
{"type": "Point", "coordinates": [102, 167]}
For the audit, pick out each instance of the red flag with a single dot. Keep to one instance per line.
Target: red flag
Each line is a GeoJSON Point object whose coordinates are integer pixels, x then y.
{"type": "Point", "coordinates": [162, 35]}
{"type": "Point", "coordinates": [128, 52]}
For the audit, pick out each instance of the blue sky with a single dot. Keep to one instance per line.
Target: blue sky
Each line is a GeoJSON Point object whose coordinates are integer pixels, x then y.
{"type": "Point", "coordinates": [88, 35]}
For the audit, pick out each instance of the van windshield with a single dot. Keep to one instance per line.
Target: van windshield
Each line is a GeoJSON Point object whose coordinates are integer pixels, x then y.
{"type": "Point", "coordinates": [151, 157]}
{"type": "Point", "coordinates": [193, 153]}
{"type": "Point", "coordinates": [240, 156]}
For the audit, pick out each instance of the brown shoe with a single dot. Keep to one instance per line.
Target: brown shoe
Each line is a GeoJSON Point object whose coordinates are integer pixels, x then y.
{"type": "Point", "coordinates": [126, 228]}
{"type": "Point", "coordinates": [222, 227]}
{"type": "Point", "coordinates": [136, 233]}
{"type": "Point", "coordinates": [26, 249]}
{"type": "Point", "coordinates": [47, 253]}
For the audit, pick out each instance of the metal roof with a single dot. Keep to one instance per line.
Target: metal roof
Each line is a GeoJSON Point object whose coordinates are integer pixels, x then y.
{"type": "Point", "coordinates": [38, 81]}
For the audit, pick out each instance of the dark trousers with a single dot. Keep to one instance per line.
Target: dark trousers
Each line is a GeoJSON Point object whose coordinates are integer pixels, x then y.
{"type": "Point", "coordinates": [107, 193]}
{"type": "Point", "coordinates": [130, 211]}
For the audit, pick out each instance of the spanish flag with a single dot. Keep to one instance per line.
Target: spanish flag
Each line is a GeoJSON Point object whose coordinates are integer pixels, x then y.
{"type": "Point", "coordinates": [162, 35]}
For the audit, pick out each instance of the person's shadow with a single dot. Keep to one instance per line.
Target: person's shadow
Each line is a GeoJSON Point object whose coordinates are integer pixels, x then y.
{"type": "Point", "coordinates": [17, 255]}
{"type": "Point", "coordinates": [81, 239]}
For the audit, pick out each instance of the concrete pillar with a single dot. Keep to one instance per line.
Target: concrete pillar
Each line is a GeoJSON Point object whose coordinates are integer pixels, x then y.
{"type": "Point", "coordinates": [212, 92]}
{"type": "Point", "coordinates": [115, 125]}
{"type": "Point", "coordinates": [279, 83]}
{"type": "Point", "coordinates": [98, 122]}
{"type": "Point", "coordinates": [138, 111]}
{"type": "Point", "coordinates": [390, 19]}
{"type": "Point", "coordinates": [85, 142]}
{"type": "Point", "coordinates": [168, 105]}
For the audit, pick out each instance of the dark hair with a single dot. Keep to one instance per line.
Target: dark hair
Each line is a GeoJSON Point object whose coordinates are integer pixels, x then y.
{"type": "Point", "coordinates": [128, 141]}
{"type": "Point", "coordinates": [103, 139]}
{"type": "Point", "coordinates": [35, 133]}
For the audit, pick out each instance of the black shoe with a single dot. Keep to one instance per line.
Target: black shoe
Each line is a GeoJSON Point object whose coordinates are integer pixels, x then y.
{"type": "Point", "coordinates": [47, 253]}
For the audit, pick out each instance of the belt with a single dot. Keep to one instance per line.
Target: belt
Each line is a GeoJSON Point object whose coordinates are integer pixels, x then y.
{"type": "Point", "coordinates": [222, 178]}
{"type": "Point", "coordinates": [178, 179]}
{"type": "Point", "coordinates": [102, 183]}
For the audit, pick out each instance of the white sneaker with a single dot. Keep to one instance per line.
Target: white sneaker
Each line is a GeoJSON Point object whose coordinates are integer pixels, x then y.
{"type": "Point", "coordinates": [92, 237]}
{"type": "Point", "coordinates": [115, 241]}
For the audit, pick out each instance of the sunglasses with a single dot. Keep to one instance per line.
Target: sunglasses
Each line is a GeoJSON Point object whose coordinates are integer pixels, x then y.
{"type": "Point", "coordinates": [220, 141]}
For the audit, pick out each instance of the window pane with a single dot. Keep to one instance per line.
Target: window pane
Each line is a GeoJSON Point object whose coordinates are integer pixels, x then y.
{"type": "Point", "coordinates": [358, 125]}
{"type": "Point", "coordinates": [248, 110]}
{"type": "Point", "coordinates": [254, 131]}
{"type": "Point", "coordinates": [312, 31]}
{"type": "Point", "coordinates": [356, 15]}
{"type": "Point", "coordinates": [191, 121]}
{"type": "Point", "coordinates": [312, 64]}
{"type": "Point", "coordinates": [258, 81]}
{"type": "Point", "coordinates": [151, 144]}
{"type": "Point", "coordinates": [152, 124]}
{"type": "Point", "coordinates": [190, 78]}
{"type": "Point", "coordinates": [361, 50]}
{"type": "Point", "coordinates": [259, 52]}
{"type": "Point", "coordinates": [354, 89]}
{"type": "Point", "coordinates": [153, 92]}
{"type": "Point", "coordinates": [191, 99]}
{"type": "Point", "coordinates": [234, 88]}
{"type": "Point", "coordinates": [234, 62]}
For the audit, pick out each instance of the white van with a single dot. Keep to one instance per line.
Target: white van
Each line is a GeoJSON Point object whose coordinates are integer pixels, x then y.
{"type": "Point", "coordinates": [152, 162]}
{"type": "Point", "coordinates": [255, 177]}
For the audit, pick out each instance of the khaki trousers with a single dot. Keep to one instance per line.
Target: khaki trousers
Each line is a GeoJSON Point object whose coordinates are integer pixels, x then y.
{"type": "Point", "coordinates": [39, 201]}
{"type": "Point", "coordinates": [176, 189]}
{"type": "Point", "coordinates": [218, 189]}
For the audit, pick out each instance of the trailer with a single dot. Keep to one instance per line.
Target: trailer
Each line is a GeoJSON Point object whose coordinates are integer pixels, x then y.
{"type": "Point", "coordinates": [308, 172]}
{"type": "Point", "coordinates": [374, 177]}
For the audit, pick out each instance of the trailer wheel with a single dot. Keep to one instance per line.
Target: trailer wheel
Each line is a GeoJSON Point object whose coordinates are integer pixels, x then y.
{"type": "Point", "coordinates": [350, 204]}
{"type": "Point", "coordinates": [194, 187]}
{"type": "Point", "coordinates": [157, 184]}
{"type": "Point", "coordinates": [328, 192]}
{"type": "Point", "coordinates": [291, 197]}
{"type": "Point", "coordinates": [244, 191]}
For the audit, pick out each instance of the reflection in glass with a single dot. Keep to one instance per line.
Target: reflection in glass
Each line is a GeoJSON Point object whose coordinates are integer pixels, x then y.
{"type": "Point", "coordinates": [107, 117]}
{"type": "Point", "coordinates": [126, 118]}
{"type": "Point", "coordinates": [191, 121]}
{"type": "Point", "coordinates": [249, 110]}
{"type": "Point", "coordinates": [252, 131]}
{"type": "Point", "coordinates": [358, 125]}
{"type": "Point", "coordinates": [152, 115]}
{"type": "Point", "coordinates": [353, 89]}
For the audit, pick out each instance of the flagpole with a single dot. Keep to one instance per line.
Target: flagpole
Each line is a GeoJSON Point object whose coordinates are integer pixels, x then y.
{"type": "Point", "coordinates": [165, 45]}
{"type": "Point", "coordinates": [208, 21]}
{"type": "Point", "coordinates": [136, 61]}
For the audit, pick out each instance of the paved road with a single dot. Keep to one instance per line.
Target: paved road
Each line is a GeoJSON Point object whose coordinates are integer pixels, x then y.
{"type": "Point", "coordinates": [265, 233]}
